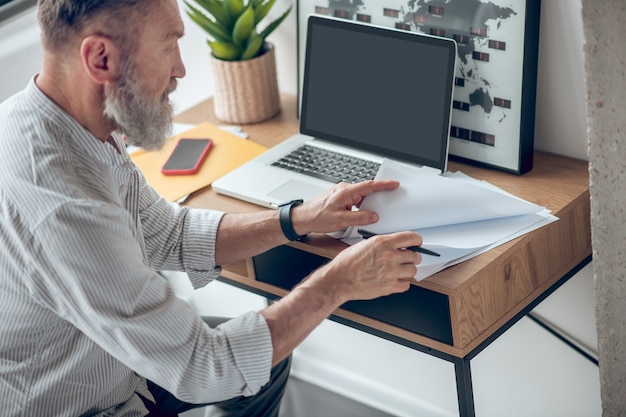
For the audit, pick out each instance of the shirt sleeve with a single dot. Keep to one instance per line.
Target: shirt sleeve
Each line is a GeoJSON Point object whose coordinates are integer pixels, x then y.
{"type": "Point", "coordinates": [91, 271]}
{"type": "Point", "coordinates": [179, 238]}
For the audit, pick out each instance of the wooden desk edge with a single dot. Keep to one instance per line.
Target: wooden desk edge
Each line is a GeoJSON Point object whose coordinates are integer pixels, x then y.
{"type": "Point", "coordinates": [480, 309]}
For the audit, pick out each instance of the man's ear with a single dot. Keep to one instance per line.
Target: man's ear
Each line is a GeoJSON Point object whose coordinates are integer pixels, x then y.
{"type": "Point", "coordinates": [100, 58]}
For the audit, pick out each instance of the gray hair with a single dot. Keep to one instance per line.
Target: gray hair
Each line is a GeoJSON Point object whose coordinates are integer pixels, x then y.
{"type": "Point", "coordinates": [63, 21]}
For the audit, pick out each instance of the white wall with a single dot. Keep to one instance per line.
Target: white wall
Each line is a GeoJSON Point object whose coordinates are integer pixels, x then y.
{"type": "Point", "coordinates": [560, 117]}
{"type": "Point", "coordinates": [526, 372]}
{"type": "Point", "coordinates": [20, 53]}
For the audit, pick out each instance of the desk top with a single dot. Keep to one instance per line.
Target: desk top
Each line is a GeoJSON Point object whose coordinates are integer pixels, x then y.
{"type": "Point", "coordinates": [484, 292]}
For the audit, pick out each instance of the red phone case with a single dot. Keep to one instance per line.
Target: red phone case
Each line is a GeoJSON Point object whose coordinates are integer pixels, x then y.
{"type": "Point", "coordinates": [199, 157]}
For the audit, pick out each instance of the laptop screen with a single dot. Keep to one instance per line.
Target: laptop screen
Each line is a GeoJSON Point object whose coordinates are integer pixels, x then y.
{"type": "Point", "coordinates": [382, 90]}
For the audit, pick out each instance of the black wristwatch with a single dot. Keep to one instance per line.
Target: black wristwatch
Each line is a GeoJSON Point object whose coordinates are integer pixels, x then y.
{"type": "Point", "coordinates": [284, 216]}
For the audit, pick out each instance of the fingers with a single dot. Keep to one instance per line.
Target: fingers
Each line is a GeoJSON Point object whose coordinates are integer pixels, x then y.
{"type": "Point", "coordinates": [403, 262]}
{"type": "Point", "coordinates": [377, 185]}
{"type": "Point", "coordinates": [365, 188]}
{"type": "Point", "coordinates": [405, 239]}
{"type": "Point", "coordinates": [373, 268]}
{"type": "Point", "coordinates": [400, 240]}
{"type": "Point", "coordinates": [333, 210]}
{"type": "Point", "coordinates": [390, 252]}
{"type": "Point", "coordinates": [353, 195]}
{"type": "Point", "coordinates": [406, 271]}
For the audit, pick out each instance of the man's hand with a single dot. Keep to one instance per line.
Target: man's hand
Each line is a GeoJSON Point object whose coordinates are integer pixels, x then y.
{"type": "Point", "coordinates": [375, 267]}
{"type": "Point", "coordinates": [330, 212]}
{"type": "Point", "coordinates": [333, 210]}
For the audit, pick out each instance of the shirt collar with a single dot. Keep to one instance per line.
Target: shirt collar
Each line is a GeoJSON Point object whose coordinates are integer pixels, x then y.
{"type": "Point", "coordinates": [77, 136]}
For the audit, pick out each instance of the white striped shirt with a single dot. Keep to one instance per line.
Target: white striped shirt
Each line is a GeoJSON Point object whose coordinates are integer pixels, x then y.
{"type": "Point", "coordinates": [84, 317]}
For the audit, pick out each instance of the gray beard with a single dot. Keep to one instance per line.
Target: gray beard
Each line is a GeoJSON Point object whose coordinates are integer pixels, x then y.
{"type": "Point", "coordinates": [145, 121]}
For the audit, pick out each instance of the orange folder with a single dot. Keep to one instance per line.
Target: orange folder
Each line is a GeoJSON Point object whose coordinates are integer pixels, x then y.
{"type": "Point", "coordinates": [228, 152]}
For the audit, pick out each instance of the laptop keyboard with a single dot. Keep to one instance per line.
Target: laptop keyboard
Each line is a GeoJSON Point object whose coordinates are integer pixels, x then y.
{"type": "Point", "coordinates": [328, 165]}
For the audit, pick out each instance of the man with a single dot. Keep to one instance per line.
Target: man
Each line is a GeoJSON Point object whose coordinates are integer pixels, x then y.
{"type": "Point", "coordinates": [88, 327]}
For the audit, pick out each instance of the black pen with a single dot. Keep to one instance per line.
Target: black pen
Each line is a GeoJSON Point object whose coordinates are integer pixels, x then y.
{"type": "Point", "coordinates": [366, 235]}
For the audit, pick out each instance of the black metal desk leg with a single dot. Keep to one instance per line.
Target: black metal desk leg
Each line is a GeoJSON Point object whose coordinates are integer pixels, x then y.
{"type": "Point", "coordinates": [464, 390]}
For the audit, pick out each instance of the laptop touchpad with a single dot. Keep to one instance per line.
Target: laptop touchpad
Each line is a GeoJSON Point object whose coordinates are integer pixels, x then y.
{"type": "Point", "coordinates": [294, 189]}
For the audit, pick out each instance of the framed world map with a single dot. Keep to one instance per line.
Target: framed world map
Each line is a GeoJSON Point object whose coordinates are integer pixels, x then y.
{"type": "Point", "coordinates": [493, 115]}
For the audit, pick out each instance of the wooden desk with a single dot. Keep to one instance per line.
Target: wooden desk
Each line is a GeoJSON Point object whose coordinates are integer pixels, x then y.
{"type": "Point", "coordinates": [456, 313]}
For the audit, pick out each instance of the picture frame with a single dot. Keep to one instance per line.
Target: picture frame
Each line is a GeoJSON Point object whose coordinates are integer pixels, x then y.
{"type": "Point", "coordinates": [493, 115]}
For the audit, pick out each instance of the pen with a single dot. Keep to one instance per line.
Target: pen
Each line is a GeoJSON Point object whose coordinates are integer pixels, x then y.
{"type": "Point", "coordinates": [366, 235]}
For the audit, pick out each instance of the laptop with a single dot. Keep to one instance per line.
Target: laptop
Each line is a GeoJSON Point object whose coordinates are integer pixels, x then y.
{"type": "Point", "coordinates": [368, 93]}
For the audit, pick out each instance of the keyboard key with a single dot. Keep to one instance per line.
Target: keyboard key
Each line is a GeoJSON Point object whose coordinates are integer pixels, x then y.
{"type": "Point", "coordinates": [328, 165]}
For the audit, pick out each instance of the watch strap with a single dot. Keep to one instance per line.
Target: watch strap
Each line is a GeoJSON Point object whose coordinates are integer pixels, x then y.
{"type": "Point", "coordinates": [284, 216]}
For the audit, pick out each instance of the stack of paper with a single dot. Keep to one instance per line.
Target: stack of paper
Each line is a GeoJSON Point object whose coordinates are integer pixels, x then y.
{"type": "Point", "coordinates": [458, 217]}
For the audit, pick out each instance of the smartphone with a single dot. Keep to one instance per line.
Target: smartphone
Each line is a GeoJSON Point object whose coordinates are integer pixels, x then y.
{"type": "Point", "coordinates": [187, 156]}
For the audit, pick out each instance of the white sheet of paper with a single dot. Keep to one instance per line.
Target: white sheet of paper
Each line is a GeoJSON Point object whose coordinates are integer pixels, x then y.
{"type": "Point", "coordinates": [425, 200]}
{"type": "Point", "coordinates": [423, 197]}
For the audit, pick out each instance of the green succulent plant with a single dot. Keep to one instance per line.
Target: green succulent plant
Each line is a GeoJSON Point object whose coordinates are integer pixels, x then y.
{"type": "Point", "coordinates": [232, 25]}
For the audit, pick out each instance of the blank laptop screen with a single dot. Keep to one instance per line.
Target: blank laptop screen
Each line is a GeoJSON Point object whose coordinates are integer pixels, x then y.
{"type": "Point", "coordinates": [382, 90]}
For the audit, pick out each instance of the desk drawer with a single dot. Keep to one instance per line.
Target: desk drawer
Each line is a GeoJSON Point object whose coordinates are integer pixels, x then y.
{"type": "Point", "coordinates": [418, 310]}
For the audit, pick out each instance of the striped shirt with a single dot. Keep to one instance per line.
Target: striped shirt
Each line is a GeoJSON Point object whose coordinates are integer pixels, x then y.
{"type": "Point", "coordinates": [85, 319]}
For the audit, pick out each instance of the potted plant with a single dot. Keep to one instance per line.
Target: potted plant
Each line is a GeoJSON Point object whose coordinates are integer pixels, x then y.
{"type": "Point", "coordinates": [242, 61]}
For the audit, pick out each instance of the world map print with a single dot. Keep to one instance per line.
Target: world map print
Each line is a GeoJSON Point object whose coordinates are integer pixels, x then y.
{"type": "Point", "coordinates": [487, 102]}
{"type": "Point", "coordinates": [447, 17]}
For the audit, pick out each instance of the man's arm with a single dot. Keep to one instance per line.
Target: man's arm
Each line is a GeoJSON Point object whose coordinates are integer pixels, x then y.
{"type": "Point", "coordinates": [373, 268]}
{"type": "Point", "coordinates": [242, 235]}
{"type": "Point", "coordinates": [90, 272]}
